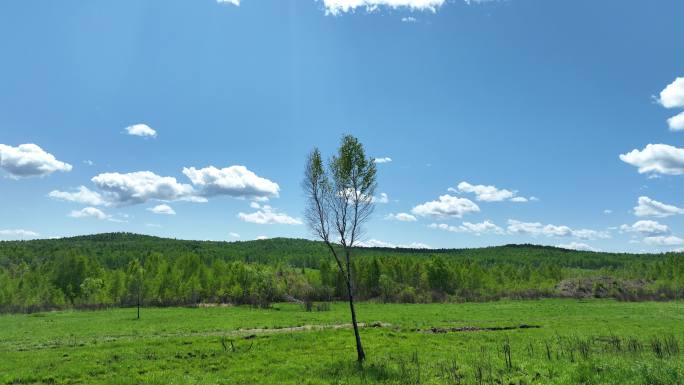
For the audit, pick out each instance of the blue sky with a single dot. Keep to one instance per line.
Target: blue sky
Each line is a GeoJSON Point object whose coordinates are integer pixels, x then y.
{"type": "Point", "coordinates": [193, 119]}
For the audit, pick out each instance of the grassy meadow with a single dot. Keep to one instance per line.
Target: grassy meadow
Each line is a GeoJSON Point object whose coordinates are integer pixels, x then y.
{"type": "Point", "coordinates": [562, 341]}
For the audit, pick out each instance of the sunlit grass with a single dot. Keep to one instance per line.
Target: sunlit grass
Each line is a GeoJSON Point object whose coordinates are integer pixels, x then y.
{"type": "Point", "coordinates": [576, 342]}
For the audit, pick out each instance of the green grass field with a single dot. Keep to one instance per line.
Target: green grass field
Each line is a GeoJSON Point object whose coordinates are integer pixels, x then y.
{"type": "Point", "coordinates": [577, 342]}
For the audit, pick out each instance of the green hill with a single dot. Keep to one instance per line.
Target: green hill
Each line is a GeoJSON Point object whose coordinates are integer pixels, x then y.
{"type": "Point", "coordinates": [101, 270]}
{"type": "Point", "coordinates": [118, 249]}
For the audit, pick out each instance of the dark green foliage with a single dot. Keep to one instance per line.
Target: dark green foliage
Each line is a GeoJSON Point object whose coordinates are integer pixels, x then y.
{"type": "Point", "coordinates": [93, 271]}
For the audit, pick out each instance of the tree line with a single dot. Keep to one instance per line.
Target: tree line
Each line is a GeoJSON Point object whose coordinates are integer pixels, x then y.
{"type": "Point", "coordinates": [117, 269]}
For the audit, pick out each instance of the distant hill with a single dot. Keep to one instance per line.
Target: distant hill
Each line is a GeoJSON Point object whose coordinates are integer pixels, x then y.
{"type": "Point", "coordinates": [115, 269]}
{"type": "Point", "coordinates": [118, 249]}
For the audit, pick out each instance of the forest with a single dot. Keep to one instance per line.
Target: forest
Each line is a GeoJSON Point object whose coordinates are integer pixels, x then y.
{"type": "Point", "coordinates": [122, 269]}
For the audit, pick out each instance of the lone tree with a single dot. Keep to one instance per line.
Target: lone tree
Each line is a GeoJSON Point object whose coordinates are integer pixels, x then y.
{"type": "Point", "coordinates": [339, 202]}
{"type": "Point", "coordinates": [136, 281]}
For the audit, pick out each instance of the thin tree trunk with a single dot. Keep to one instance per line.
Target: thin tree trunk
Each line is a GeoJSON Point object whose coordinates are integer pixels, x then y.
{"type": "Point", "coordinates": [361, 355]}
{"type": "Point", "coordinates": [138, 304]}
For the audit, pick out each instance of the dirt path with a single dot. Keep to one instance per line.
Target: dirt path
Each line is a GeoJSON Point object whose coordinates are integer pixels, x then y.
{"type": "Point", "coordinates": [303, 328]}
{"type": "Point", "coordinates": [73, 341]}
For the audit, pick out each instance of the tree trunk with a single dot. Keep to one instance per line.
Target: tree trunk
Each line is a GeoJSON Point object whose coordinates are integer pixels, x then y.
{"type": "Point", "coordinates": [138, 304]}
{"type": "Point", "coordinates": [361, 355]}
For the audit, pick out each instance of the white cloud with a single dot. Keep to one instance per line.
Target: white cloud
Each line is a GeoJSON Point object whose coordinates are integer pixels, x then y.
{"type": "Point", "coordinates": [607, 211]}
{"type": "Point", "coordinates": [646, 227]}
{"type": "Point", "coordinates": [485, 193]}
{"type": "Point", "coordinates": [234, 235]}
{"type": "Point", "coordinates": [536, 229]}
{"type": "Point", "coordinates": [673, 95]}
{"type": "Point", "coordinates": [335, 7]}
{"type": "Point", "coordinates": [416, 245]}
{"type": "Point", "coordinates": [162, 209]}
{"type": "Point", "coordinates": [83, 195]}
{"type": "Point", "coordinates": [88, 162]}
{"type": "Point", "coordinates": [402, 217]}
{"type": "Point", "coordinates": [234, 181]}
{"type": "Point", "coordinates": [556, 231]}
{"type": "Point", "coordinates": [676, 123]}
{"type": "Point", "coordinates": [656, 158]}
{"type": "Point", "coordinates": [266, 215]}
{"type": "Point", "coordinates": [383, 160]}
{"type": "Point", "coordinates": [525, 228]}
{"type": "Point", "coordinates": [446, 206]}
{"type": "Point", "coordinates": [662, 240]}
{"type": "Point", "coordinates": [647, 207]}
{"type": "Point", "coordinates": [18, 233]}
{"type": "Point", "coordinates": [409, 19]}
{"type": "Point", "coordinates": [590, 234]}
{"type": "Point", "coordinates": [383, 198]}
{"type": "Point", "coordinates": [89, 212]}
{"type": "Point", "coordinates": [485, 227]}
{"type": "Point", "coordinates": [139, 187]}
{"type": "Point", "coordinates": [379, 243]}
{"type": "Point", "coordinates": [375, 243]}
{"type": "Point", "coordinates": [141, 130]}
{"type": "Point", "coordinates": [234, 2]}
{"type": "Point", "coordinates": [577, 246]}
{"type": "Point", "coordinates": [142, 186]}
{"type": "Point", "coordinates": [261, 237]}
{"type": "Point", "coordinates": [27, 160]}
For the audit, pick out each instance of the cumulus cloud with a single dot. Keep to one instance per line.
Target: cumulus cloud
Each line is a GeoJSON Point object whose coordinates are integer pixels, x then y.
{"type": "Point", "coordinates": [162, 209]}
{"type": "Point", "coordinates": [89, 212]}
{"type": "Point", "coordinates": [142, 186]}
{"type": "Point", "coordinates": [487, 193]}
{"type": "Point", "coordinates": [446, 206]}
{"type": "Point", "coordinates": [141, 130]}
{"type": "Point", "coordinates": [82, 195]}
{"type": "Point", "coordinates": [646, 227]}
{"type": "Point", "coordinates": [234, 181]}
{"type": "Point", "coordinates": [383, 160]}
{"type": "Point", "coordinates": [119, 189]}
{"type": "Point", "coordinates": [28, 160]}
{"type": "Point", "coordinates": [382, 198]}
{"type": "Point", "coordinates": [266, 215]}
{"type": "Point", "coordinates": [402, 217]}
{"type": "Point", "coordinates": [590, 234]}
{"type": "Point", "coordinates": [379, 243]}
{"type": "Point", "coordinates": [577, 246]}
{"type": "Point", "coordinates": [549, 230]}
{"type": "Point", "coordinates": [485, 227]}
{"type": "Point", "coordinates": [647, 207]}
{"type": "Point", "coordinates": [335, 7]}
{"type": "Point", "coordinates": [663, 240]}
{"type": "Point", "coordinates": [18, 234]}
{"type": "Point", "coordinates": [656, 158]}
{"type": "Point", "coordinates": [676, 123]}
{"type": "Point", "coordinates": [673, 95]}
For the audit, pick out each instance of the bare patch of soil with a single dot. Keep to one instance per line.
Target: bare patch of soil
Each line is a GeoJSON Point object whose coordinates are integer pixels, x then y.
{"type": "Point", "coordinates": [436, 330]}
